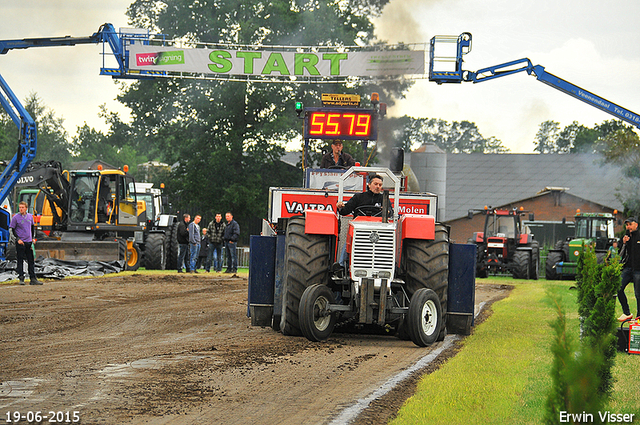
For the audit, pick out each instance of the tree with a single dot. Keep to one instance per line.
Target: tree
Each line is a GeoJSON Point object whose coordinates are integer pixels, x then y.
{"type": "Point", "coordinates": [547, 137]}
{"type": "Point", "coordinates": [574, 138]}
{"type": "Point", "coordinates": [117, 147]}
{"type": "Point", "coordinates": [52, 138]}
{"type": "Point", "coordinates": [222, 136]}
{"type": "Point", "coordinates": [454, 137]}
{"type": "Point", "coordinates": [622, 148]}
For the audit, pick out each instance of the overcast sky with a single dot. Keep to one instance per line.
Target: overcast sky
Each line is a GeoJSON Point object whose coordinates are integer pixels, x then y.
{"type": "Point", "coordinates": [591, 43]}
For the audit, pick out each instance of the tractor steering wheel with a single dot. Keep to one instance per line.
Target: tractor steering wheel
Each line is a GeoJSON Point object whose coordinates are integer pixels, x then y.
{"type": "Point", "coordinates": [369, 210]}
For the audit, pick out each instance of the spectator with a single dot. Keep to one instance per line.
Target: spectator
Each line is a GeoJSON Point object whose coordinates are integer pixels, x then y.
{"type": "Point", "coordinates": [23, 228]}
{"type": "Point", "coordinates": [231, 235]}
{"type": "Point", "coordinates": [216, 237]}
{"type": "Point", "coordinates": [336, 158]}
{"type": "Point", "coordinates": [203, 256]}
{"type": "Point", "coordinates": [183, 244]}
{"type": "Point", "coordinates": [194, 242]}
{"type": "Point", "coordinates": [630, 243]}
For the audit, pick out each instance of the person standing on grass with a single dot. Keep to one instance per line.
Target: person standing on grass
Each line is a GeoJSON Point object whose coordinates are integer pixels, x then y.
{"type": "Point", "coordinates": [203, 256]}
{"type": "Point", "coordinates": [231, 235]}
{"type": "Point", "coordinates": [23, 228]}
{"type": "Point", "coordinates": [183, 244]}
{"type": "Point", "coordinates": [216, 236]}
{"type": "Point", "coordinates": [194, 242]}
{"type": "Point", "coordinates": [630, 243]}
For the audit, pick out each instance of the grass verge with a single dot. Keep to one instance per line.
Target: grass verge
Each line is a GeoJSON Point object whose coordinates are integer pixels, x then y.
{"type": "Point", "coordinates": [501, 375]}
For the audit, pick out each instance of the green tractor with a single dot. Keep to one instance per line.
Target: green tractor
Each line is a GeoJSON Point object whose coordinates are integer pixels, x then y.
{"type": "Point", "coordinates": [595, 229]}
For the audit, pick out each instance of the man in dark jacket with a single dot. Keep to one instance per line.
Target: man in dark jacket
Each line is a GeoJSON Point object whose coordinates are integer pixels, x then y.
{"type": "Point", "coordinates": [231, 235]}
{"type": "Point", "coordinates": [630, 242]}
{"type": "Point", "coordinates": [203, 254]}
{"type": "Point", "coordinates": [336, 158]}
{"type": "Point", "coordinates": [183, 244]}
{"type": "Point", "coordinates": [373, 197]}
{"type": "Point", "coordinates": [216, 237]}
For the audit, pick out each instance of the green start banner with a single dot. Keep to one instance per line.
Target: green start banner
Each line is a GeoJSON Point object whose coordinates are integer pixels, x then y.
{"type": "Point", "coordinates": [277, 63]}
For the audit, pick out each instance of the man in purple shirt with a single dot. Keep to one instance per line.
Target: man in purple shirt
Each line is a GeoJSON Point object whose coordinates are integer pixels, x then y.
{"type": "Point", "coordinates": [23, 228]}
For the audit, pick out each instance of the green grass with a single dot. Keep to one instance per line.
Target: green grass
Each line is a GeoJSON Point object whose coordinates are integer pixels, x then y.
{"type": "Point", "coordinates": [501, 375]}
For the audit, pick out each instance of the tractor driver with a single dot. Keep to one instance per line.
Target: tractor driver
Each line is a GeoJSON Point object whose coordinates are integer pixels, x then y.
{"type": "Point", "coordinates": [365, 203]}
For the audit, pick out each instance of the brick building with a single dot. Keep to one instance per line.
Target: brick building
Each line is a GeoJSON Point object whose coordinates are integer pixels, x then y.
{"type": "Point", "coordinates": [550, 205]}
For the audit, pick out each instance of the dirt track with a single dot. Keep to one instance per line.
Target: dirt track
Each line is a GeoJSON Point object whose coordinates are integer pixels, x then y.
{"type": "Point", "coordinates": [179, 349]}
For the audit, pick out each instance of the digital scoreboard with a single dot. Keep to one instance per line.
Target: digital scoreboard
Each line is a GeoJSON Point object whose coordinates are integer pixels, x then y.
{"type": "Point", "coordinates": [340, 123]}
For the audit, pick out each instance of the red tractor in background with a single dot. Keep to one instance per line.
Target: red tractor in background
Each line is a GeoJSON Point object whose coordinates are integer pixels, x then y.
{"type": "Point", "coordinates": [506, 244]}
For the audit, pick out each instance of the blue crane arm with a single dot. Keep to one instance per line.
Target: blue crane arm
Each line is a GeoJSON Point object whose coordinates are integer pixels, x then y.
{"type": "Point", "coordinates": [26, 43]}
{"type": "Point", "coordinates": [586, 96]}
{"type": "Point", "coordinates": [106, 35]}
{"type": "Point", "coordinates": [25, 153]}
{"type": "Point", "coordinates": [27, 138]}
{"type": "Point", "coordinates": [458, 75]}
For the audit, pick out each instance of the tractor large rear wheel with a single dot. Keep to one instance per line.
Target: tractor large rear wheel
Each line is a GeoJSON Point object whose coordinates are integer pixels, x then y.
{"type": "Point", "coordinates": [534, 266]}
{"type": "Point", "coordinates": [171, 247]}
{"type": "Point", "coordinates": [551, 272]}
{"type": "Point", "coordinates": [154, 254]}
{"type": "Point", "coordinates": [307, 261]}
{"type": "Point", "coordinates": [426, 264]}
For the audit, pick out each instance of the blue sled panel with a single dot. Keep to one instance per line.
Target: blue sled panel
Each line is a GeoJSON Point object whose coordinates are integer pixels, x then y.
{"type": "Point", "coordinates": [462, 288]}
{"type": "Point", "coordinates": [262, 250]}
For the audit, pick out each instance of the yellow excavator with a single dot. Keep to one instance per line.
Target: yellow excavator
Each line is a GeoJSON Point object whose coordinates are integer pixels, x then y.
{"type": "Point", "coordinates": [90, 215]}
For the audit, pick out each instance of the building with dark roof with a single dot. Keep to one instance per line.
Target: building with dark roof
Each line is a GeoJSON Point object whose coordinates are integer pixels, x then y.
{"type": "Point", "coordinates": [551, 185]}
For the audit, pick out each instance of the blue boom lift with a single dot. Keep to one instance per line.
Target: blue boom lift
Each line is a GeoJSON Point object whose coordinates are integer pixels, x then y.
{"type": "Point", "coordinates": [452, 72]}
{"type": "Point", "coordinates": [27, 138]}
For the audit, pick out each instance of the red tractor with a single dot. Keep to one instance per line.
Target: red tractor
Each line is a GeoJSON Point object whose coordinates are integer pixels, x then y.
{"type": "Point", "coordinates": [397, 274]}
{"type": "Point", "coordinates": [506, 245]}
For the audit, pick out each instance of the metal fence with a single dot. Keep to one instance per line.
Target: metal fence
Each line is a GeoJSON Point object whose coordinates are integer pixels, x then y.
{"type": "Point", "coordinates": [243, 256]}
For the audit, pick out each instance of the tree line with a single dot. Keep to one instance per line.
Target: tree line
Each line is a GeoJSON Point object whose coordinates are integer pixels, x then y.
{"type": "Point", "coordinates": [618, 143]}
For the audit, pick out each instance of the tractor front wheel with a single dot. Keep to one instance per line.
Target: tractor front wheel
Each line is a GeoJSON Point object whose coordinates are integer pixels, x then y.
{"type": "Point", "coordinates": [133, 256]}
{"type": "Point", "coordinates": [521, 265]}
{"type": "Point", "coordinates": [424, 319]}
{"type": "Point", "coordinates": [316, 323]}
